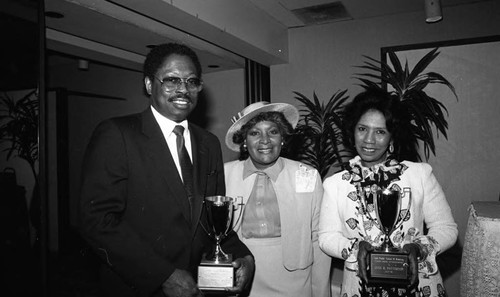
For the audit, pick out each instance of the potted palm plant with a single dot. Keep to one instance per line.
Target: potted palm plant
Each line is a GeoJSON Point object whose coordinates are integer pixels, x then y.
{"type": "Point", "coordinates": [19, 138]}
{"type": "Point", "coordinates": [19, 127]}
{"type": "Point", "coordinates": [318, 136]}
{"type": "Point", "coordinates": [420, 109]}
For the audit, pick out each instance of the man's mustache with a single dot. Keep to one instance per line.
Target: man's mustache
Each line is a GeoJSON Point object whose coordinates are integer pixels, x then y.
{"type": "Point", "coordinates": [180, 96]}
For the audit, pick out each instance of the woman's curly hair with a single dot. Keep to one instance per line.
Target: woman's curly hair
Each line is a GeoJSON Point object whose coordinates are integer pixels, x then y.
{"type": "Point", "coordinates": [374, 99]}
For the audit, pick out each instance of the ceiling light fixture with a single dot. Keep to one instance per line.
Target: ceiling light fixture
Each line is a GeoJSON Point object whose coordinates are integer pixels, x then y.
{"type": "Point", "coordinates": [433, 11]}
{"type": "Point", "coordinates": [83, 64]}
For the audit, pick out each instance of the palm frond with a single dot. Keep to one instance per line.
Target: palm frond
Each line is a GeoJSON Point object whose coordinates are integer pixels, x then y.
{"type": "Point", "coordinates": [422, 64]}
{"type": "Point", "coordinates": [19, 127]}
{"type": "Point", "coordinates": [317, 139]}
{"type": "Point", "coordinates": [398, 73]}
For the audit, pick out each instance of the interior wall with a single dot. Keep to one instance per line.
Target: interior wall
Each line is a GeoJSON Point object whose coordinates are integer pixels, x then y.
{"type": "Point", "coordinates": [84, 113]}
{"type": "Point", "coordinates": [463, 160]}
{"type": "Point", "coordinates": [225, 92]}
{"type": "Point", "coordinates": [323, 59]}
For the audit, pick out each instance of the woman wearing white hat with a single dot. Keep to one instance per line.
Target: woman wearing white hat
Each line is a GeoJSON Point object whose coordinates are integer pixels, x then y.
{"type": "Point", "coordinates": [281, 200]}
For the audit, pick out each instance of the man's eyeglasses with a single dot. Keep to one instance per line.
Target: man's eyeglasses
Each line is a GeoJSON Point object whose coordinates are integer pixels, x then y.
{"type": "Point", "coordinates": [172, 83]}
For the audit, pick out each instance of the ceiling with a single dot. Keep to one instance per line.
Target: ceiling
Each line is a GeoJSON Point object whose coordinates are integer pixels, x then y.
{"type": "Point", "coordinates": [119, 32]}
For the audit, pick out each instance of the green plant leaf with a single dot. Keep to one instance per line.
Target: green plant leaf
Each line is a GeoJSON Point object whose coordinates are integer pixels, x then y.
{"type": "Point", "coordinates": [318, 136]}
{"type": "Point", "coordinates": [19, 127]}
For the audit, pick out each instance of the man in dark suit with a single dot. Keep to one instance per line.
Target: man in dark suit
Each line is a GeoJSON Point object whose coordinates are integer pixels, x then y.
{"type": "Point", "coordinates": [140, 211]}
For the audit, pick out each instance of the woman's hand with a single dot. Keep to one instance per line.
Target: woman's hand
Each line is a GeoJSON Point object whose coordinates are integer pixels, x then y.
{"type": "Point", "coordinates": [414, 254]}
{"type": "Point", "coordinates": [364, 248]}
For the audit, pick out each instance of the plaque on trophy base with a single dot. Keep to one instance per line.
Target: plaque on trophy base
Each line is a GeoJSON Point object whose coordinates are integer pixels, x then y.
{"type": "Point", "coordinates": [215, 276]}
{"type": "Point", "coordinates": [388, 268]}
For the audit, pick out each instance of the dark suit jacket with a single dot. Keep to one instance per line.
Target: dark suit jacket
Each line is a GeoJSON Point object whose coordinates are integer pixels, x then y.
{"type": "Point", "coordinates": [134, 209]}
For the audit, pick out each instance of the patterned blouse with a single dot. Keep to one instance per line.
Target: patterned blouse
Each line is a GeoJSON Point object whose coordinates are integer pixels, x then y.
{"type": "Point", "coordinates": [348, 217]}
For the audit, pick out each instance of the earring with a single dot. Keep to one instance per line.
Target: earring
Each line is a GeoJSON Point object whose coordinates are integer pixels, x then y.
{"type": "Point", "coordinates": [391, 148]}
{"type": "Point", "coordinates": [282, 143]}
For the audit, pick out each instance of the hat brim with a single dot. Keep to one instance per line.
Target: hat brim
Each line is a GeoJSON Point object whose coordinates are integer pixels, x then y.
{"type": "Point", "coordinates": [289, 111]}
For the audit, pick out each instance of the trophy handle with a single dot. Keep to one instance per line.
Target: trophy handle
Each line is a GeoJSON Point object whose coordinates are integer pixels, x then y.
{"type": "Point", "coordinates": [238, 205]}
{"type": "Point", "coordinates": [406, 194]}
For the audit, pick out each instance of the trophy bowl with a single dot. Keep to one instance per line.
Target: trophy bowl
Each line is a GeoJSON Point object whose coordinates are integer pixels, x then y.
{"type": "Point", "coordinates": [215, 271]}
{"type": "Point", "coordinates": [388, 265]}
{"type": "Point", "coordinates": [387, 205]}
{"type": "Point", "coordinates": [219, 218]}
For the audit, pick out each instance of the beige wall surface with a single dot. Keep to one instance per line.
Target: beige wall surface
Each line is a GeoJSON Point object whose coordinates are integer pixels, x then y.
{"type": "Point", "coordinates": [84, 112]}
{"type": "Point", "coordinates": [323, 59]}
{"type": "Point", "coordinates": [463, 163]}
{"type": "Point", "coordinates": [225, 93]}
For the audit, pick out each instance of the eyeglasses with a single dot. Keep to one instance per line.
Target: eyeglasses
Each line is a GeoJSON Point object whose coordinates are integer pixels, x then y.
{"type": "Point", "coordinates": [172, 83]}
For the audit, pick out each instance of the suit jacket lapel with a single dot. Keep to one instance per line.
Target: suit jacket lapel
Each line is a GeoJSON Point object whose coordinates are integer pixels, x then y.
{"type": "Point", "coordinates": [162, 160]}
{"type": "Point", "coordinates": [200, 163]}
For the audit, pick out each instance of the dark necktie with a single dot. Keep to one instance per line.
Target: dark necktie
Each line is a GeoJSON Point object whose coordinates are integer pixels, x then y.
{"type": "Point", "coordinates": [185, 162]}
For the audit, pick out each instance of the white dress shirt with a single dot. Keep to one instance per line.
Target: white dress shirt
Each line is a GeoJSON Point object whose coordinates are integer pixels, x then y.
{"type": "Point", "coordinates": [167, 127]}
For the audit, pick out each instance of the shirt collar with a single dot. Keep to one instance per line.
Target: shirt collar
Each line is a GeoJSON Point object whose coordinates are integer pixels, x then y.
{"type": "Point", "coordinates": [273, 171]}
{"type": "Point", "coordinates": [166, 124]}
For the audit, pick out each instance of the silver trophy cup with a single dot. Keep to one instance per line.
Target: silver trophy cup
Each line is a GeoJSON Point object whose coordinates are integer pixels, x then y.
{"type": "Point", "coordinates": [387, 206]}
{"type": "Point", "coordinates": [219, 218]}
{"type": "Point", "coordinates": [216, 271]}
{"type": "Point", "coordinates": [388, 265]}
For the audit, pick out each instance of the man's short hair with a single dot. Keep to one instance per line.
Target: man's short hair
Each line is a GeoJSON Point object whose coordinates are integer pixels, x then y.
{"type": "Point", "coordinates": [159, 53]}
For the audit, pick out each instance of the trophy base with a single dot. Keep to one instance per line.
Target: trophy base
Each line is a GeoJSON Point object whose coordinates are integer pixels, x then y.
{"type": "Point", "coordinates": [388, 268]}
{"type": "Point", "coordinates": [215, 276]}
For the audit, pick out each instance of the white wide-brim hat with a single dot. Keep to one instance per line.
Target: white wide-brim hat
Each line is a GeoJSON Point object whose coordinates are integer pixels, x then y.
{"type": "Point", "coordinates": [289, 111]}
